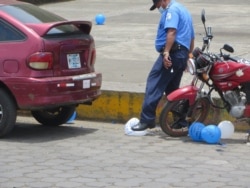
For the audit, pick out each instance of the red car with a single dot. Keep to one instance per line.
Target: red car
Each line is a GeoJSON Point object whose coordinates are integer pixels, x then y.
{"type": "Point", "coordinates": [46, 65]}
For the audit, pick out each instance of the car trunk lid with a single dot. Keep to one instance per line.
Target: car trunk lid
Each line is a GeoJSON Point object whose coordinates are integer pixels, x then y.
{"type": "Point", "coordinates": [71, 44]}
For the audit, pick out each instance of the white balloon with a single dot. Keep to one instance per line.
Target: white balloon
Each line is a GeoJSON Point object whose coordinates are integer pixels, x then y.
{"type": "Point", "coordinates": [227, 129]}
{"type": "Point", "coordinates": [130, 123]}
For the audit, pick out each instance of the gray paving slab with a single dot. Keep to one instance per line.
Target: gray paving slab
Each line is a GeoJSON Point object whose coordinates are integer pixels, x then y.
{"type": "Point", "coordinates": [97, 154]}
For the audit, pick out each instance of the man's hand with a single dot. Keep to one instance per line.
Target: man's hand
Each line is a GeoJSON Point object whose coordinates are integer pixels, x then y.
{"type": "Point", "coordinates": [167, 60]}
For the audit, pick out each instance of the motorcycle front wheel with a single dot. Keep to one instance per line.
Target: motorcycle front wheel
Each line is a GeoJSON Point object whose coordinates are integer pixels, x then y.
{"type": "Point", "coordinates": [177, 116]}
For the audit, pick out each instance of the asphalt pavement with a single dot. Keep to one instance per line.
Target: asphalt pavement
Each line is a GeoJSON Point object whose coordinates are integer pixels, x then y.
{"type": "Point", "coordinates": [125, 43]}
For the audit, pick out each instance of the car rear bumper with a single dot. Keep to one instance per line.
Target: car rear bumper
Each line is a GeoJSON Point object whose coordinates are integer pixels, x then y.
{"type": "Point", "coordinates": [39, 93]}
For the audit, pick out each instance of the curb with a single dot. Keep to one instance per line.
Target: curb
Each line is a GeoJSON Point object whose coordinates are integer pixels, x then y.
{"type": "Point", "coordinates": [119, 107]}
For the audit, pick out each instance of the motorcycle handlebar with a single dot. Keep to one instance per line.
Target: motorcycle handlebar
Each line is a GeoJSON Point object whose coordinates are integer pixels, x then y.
{"type": "Point", "coordinates": [209, 32]}
{"type": "Point", "coordinates": [227, 57]}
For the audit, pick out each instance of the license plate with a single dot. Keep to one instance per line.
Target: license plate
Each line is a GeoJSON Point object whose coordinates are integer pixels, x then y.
{"type": "Point", "coordinates": [74, 61]}
{"type": "Point", "coordinates": [86, 84]}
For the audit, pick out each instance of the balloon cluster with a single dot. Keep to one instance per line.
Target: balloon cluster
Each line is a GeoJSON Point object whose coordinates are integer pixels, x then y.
{"type": "Point", "coordinates": [210, 134]}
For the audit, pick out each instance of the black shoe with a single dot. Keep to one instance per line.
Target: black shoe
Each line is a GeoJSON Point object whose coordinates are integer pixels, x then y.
{"type": "Point", "coordinates": [183, 124]}
{"type": "Point", "coordinates": [180, 124]}
{"type": "Point", "coordinates": [142, 126]}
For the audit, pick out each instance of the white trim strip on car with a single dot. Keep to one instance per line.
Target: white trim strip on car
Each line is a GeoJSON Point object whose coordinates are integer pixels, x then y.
{"type": "Point", "coordinates": [84, 76]}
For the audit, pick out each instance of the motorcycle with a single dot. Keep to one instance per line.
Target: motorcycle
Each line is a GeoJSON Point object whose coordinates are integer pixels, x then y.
{"type": "Point", "coordinates": [227, 76]}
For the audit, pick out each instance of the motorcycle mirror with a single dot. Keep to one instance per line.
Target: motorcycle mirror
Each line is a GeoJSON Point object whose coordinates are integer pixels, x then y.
{"type": "Point", "coordinates": [203, 18]}
{"type": "Point", "coordinates": [228, 48]}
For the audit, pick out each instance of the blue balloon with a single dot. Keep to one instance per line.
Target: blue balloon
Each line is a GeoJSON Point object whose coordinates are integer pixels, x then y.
{"type": "Point", "coordinates": [100, 19]}
{"type": "Point", "coordinates": [211, 134]}
{"type": "Point", "coordinates": [72, 118]}
{"type": "Point", "coordinates": [194, 131]}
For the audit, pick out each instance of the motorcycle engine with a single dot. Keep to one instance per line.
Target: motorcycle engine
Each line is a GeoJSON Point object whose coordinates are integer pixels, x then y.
{"type": "Point", "coordinates": [237, 103]}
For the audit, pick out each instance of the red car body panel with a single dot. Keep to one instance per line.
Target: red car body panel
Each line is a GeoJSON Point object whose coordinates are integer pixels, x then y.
{"type": "Point", "coordinates": [51, 92]}
{"type": "Point", "coordinates": [59, 85]}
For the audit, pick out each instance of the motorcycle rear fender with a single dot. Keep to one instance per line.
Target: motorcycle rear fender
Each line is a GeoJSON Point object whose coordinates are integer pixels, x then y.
{"type": "Point", "coordinates": [186, 92]}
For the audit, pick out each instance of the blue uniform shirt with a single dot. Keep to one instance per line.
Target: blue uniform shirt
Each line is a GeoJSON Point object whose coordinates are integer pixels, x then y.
{"type": "Point", "coordinates": [175, 16]}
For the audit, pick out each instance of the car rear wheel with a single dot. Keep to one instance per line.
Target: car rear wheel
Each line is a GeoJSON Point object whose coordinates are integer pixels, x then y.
{"type": "Point", "coordinates": [8, 113]}
{"type": "Point", "coordinates": [55, 116]}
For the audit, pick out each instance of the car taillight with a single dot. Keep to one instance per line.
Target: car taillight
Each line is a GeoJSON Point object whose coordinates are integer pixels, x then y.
{"type": "Point", "coordinates": [92, 60]}
{"type": "Point", "coordinates": [41, 61]}
{"type": "Point", "coordinates": [93, 57]}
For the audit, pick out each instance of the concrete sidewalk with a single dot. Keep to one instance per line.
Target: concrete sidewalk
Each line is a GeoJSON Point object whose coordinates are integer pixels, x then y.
{"type": "Point", "coordinates": [125, 46]}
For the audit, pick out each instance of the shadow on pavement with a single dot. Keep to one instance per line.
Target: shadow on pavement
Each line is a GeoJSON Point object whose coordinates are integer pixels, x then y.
{"type": "Point", "coordinates": [35, 133]}
{"type": "Point", "coordinates": [40, 2]}
{"type": "Point", "coordinates": [236, 138]}
{"type": "Point", "coordinates": [241, 139]}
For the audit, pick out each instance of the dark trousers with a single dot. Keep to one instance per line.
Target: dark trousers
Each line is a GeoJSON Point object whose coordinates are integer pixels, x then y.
{"type": "Point", "coordinates": [161, 80]}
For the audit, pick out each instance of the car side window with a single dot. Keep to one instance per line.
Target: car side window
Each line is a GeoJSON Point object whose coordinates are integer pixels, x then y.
{"type": "Point", "coordinates": [9, 32]}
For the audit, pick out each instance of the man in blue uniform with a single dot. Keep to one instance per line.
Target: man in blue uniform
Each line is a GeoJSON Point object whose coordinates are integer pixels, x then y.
{"type": "Point", "coordinates": [174, 42]}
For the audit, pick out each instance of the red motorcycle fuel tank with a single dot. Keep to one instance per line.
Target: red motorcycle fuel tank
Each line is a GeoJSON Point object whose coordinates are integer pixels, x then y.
{"type": "Point", "coordinates": [227, 75]}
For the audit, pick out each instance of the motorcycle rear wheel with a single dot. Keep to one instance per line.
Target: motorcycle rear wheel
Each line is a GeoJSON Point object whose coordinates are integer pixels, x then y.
{"type": "Point", "coordinates": [176, 116]}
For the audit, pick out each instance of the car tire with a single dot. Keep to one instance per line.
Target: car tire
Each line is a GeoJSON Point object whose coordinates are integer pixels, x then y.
{"type": "Point", "coordinates": [8, 113]}
{"type": "Point", "coordinates": [55, 116]}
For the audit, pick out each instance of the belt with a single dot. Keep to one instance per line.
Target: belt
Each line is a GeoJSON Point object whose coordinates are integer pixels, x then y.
{"type": "Point", "coordinates": [175, 47]}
